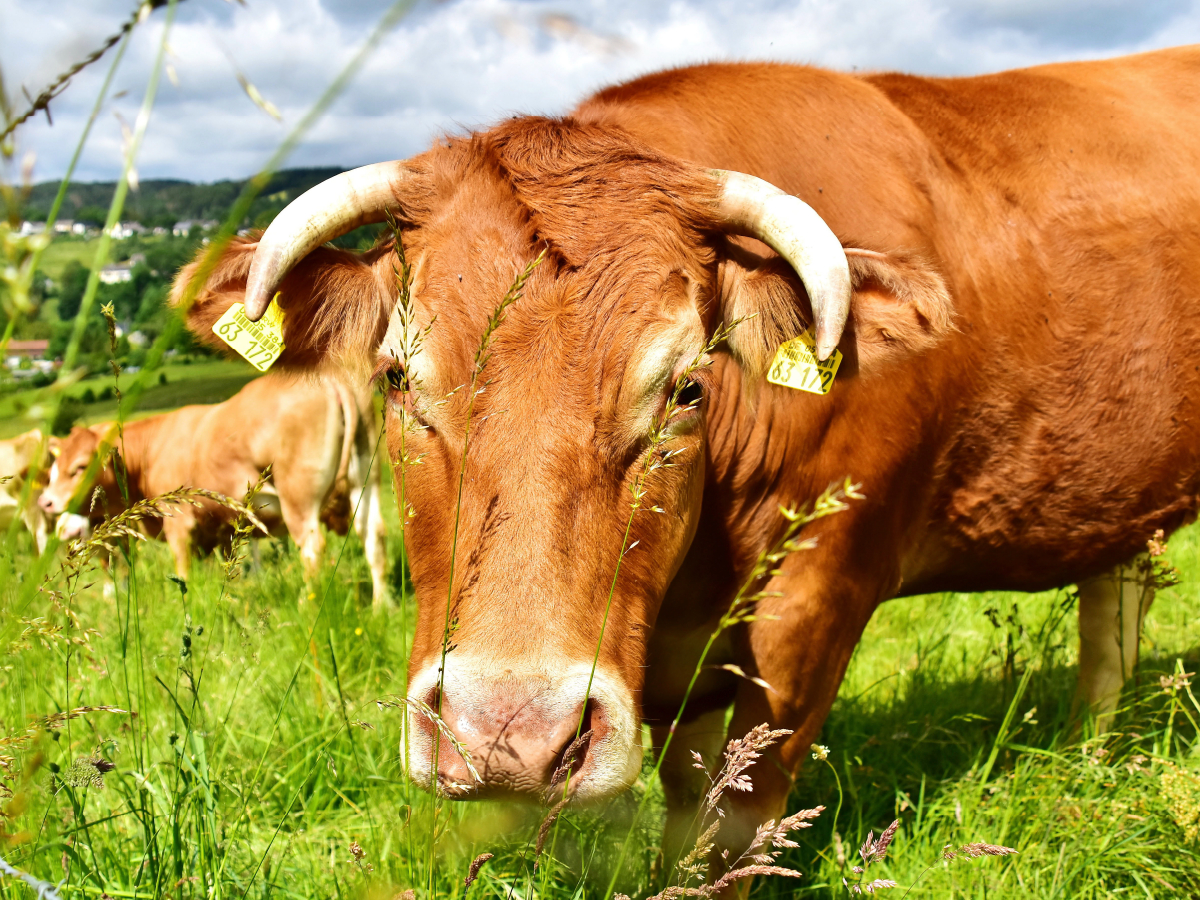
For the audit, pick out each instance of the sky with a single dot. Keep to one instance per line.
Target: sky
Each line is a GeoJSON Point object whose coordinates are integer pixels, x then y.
{"type": "Point", "coordinates": [454, 65]}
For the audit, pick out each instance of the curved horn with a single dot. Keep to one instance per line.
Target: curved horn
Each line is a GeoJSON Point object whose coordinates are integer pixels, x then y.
{"type": "Point", "coordinates": [755, 208]}
{"type": "Point", "coordinates": [330, 209]}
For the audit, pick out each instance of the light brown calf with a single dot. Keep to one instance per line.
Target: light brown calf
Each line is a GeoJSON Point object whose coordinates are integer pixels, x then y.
{"type": "Point", "coordinates": [318, 437]}
{"type": "Point", "coordinates": [17, 458]}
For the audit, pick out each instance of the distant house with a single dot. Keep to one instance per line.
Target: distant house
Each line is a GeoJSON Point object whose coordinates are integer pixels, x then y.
{"type": "Point", "coordinates": [124, 230]}
{"type": "Point", "coordinates": [184, 226]}
{"type": "Point", "coordinates": [64, 226]}
{"type": "Point", "coordinates": [116, 273]}
{"type": "Point", "coordinates": [32, 227]}
{"type": "Point", "coordinates": [28, 349]}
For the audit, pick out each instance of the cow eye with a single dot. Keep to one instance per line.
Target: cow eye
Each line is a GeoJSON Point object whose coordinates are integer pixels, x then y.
{"type": "Point", "coordinates": [691, 394]}
{"type": "Point", "coordinates": [397, 378]}
{"type": "Point", "coordinates": [401, 394]}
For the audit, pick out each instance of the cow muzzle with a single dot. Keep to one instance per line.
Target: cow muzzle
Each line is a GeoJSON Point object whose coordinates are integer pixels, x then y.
{"type": "Point", "coordinates": [479, 734]}
{"type": "Point", "coordinates": [72, 527]}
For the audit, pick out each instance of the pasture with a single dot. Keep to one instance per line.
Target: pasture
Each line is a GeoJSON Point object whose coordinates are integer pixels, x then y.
{"type": "Point", "coordinates": [242, 735]}
{"type": "Point", "coordinates": [230, 741]}
{"type": "Point", "coordinates": [206, 380]}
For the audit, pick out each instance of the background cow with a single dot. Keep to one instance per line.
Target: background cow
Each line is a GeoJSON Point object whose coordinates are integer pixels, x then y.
{"type": "Point", "coordinates": [317, 435]}
{"type": "Point", "coordinates": [17, 458]}
{"type": "Point", "coordinates": [1018, 293]}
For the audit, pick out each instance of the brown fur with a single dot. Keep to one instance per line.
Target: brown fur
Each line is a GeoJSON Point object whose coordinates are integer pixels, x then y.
{"type": "Point", "coordinates": [305, 429]}
{"type": "Point", "coordinates": [1019, 395]}
{"type": "Point", "coordinates": [21, 457]}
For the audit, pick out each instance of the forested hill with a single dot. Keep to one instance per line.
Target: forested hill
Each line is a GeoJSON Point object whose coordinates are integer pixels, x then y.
{"type": "Point", "coordinates": [165, 202]}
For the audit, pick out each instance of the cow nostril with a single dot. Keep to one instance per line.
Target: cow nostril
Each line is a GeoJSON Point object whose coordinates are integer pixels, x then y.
{"type": "Point", "coordinates": [591, 726]}
{"type": "Point", "coordinates": [433, 697]}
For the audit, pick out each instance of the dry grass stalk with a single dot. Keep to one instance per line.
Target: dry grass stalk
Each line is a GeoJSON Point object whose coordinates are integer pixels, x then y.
{"type": "Point", "coordinates": [740, 754]}
{"type": "Point", "coordinates": [243, 527]}
{"type": "Point", "coordinates": [770, 840]}
{"type": "Point", "coordinates": [476, 865]}
{"type": "Point", "coordinates": [423, 709]}
{"type": "Point", "coordinates": [563, 769]}
{"type": "Point", "coordinates": [976, 850]}
{"type": "Point", "coordinates": [124, 525]}
{"type": "Point", "coordinates": [358, 856]}
{"type": "Point", "coordinates": [873, 851]}
{"type": "Point", "coordinates": [59, 719]}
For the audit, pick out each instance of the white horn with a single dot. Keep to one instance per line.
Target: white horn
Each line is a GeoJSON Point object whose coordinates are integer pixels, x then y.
{"type": "Point", "coordinates": [755, 208]}
{"type": "Point", "coordinates": [330, 209]}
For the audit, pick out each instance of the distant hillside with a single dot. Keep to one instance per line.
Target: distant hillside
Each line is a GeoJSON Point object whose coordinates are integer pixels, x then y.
{"type": "Point", "coordinates": [165, 202]}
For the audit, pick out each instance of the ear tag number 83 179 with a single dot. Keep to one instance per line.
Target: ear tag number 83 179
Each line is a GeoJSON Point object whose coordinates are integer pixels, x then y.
{"type": "Point", "coordinates": [259, 343]}
{"type": "Point", "coordinates": [796, 366]}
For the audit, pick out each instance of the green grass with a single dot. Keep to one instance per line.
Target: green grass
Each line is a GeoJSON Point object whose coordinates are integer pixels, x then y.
{"type": "Point", "coordinates": [260, 754]}
{"type": "Point", "coordinates": [63, 250]}
{"type": "Point", "coordinates": [205, 381]}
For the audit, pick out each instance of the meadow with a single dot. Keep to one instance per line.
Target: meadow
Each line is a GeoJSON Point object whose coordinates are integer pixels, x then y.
{"type": "Point", "coordinates": [240, 738]}
{"type": "Point", "coordinates": [203, 380]}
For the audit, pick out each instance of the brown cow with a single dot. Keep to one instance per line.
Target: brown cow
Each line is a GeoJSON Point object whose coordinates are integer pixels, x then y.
{"type": "Point", "coordinates": [17, 458]}
{"type": "Point", "coordinates": [1018, 396]}
{"type": "Point", "coordinates": [317, 436]}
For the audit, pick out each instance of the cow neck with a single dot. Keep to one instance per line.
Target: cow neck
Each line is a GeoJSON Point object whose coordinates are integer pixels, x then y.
{"type": "Point", "coordinates": [747, 473]}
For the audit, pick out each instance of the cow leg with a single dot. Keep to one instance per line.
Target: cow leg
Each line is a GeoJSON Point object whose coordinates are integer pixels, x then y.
{"type": "Point", "coordinates": [35, 521]}
{"type": "Point", "coordinates": [177, 530]}
{"type": "Point", "coordinates": [372, 532]}
{"type": "Point", "coordinates": [304, 525]}
{"type": "Point", "coordinates": [1111, 609]}
{"type": "Point", "coordinates": [800, 645]}
{"type": "Point", "coordinates": [684, 786]}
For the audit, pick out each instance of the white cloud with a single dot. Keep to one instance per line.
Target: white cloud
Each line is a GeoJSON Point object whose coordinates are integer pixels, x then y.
{"type": "Point", "coordinates": [463, 64]}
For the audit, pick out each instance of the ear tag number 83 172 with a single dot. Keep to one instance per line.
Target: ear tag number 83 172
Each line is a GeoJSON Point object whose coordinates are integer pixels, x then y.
{"type": "Point", "coordinates": [796, 366]}
{"type": "Point", "coordinates": [259, 343]}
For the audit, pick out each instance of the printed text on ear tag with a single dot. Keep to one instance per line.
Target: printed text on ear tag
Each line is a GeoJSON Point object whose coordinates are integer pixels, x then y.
{"type": "Point", "coordinates": [796, 366]}
{"type": "Point", "coordinates": [261, 342]}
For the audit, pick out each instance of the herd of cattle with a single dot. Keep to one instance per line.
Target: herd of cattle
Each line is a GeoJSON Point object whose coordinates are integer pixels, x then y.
{"type": "Point", "coordinates": [1008, 266]}
{"type": "Point", "coordinates": [318, 437]}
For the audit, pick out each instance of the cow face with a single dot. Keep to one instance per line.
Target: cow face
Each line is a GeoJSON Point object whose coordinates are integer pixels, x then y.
{"type": "Point", "coordinates": [549, 461]}
{"type": "Point", "coordinates": [67, 475]}
{"type": "Point", "coordinates": [578, 400]}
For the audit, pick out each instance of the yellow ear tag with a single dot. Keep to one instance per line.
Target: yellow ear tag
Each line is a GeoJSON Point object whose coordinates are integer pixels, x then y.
{"type": "Point", "coordinates": [259, 343]}
{"type": "Point", "coordinates": [796, 366]}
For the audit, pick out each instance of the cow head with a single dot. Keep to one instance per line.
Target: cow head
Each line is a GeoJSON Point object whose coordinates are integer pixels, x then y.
{"type": "Point", "coordinates": [527, 635]}
{"type": "Point", "coordinates": [68, 474]}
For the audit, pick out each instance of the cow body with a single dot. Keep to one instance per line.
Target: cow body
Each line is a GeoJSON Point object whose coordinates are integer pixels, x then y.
{"type": "Point", "coordinates": [1052, 431]}
{"type": "Point", "coordinates": [1018, 397]}
{"type": "Point", "coordinates": [26, 453]}
{"type": "Point", "coordinates": [316, 435]}
{"type": "Point", "coordinates": [1046, 437]}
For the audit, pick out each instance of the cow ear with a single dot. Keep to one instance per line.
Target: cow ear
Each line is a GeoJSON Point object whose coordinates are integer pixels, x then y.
{"type": "Point", "coordinates": [333, 302]}
{"type": "Point", "coordinates": [900, 306]}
